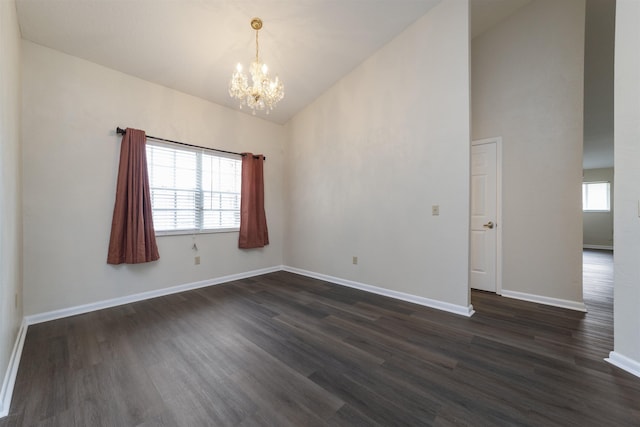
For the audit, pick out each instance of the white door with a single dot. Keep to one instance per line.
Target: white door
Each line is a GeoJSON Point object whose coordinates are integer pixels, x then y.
{"type": "Point", "coordinates": [484, 210]}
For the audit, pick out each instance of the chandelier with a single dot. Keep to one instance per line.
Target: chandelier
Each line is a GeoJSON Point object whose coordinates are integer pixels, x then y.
{"type": "Point", "coordinates": [263, 93]}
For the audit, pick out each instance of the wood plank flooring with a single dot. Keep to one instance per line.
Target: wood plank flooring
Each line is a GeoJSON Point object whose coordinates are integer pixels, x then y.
{"type": "Point", "coordinates": [286, 350]}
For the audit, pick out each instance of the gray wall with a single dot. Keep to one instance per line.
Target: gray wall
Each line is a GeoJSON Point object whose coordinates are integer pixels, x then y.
{"type": "Point", "coordinates": [598, 84]}
{"type": "Point", "coordinates": [527, 87]}
{"type": "Point", "coordinates": [10, 187]}
{"type": "Point", "coordinates": [70, 110]}
{"type": "Point", "coordinates": [361, 175]}
{"type": "Point", "coordinates": [627, 174]}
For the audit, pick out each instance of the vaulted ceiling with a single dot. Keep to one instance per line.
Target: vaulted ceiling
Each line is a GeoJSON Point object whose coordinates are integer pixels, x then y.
{"type": "Point", "coordinates": [194, 45]}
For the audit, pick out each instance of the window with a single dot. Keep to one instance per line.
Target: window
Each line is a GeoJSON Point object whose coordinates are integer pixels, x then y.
{"type": "Point", "coordinates": [193, 190]}
{"type": "Point", "coordinates": [596, 196]}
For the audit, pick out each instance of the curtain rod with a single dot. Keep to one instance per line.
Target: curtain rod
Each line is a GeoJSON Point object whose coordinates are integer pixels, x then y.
{"type": "Point", "coordinates": [121, 131]}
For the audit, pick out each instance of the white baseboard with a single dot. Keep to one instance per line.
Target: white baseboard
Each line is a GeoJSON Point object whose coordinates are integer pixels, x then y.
{"type": "Point", "coordinates": [440, 305]}
{"type": "Point", "coordinates": [623, 362]}
{"type": "Point", "coordinates": [600, 247]}
{"type": "Point", "coordinates": [99, 305]}
{"type": "Point", "coordinates": [556, 302]}
{"type": "Point", "coordinates": [6, 393]}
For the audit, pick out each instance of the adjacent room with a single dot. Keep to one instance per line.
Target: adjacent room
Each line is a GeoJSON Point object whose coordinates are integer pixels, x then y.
{"type": "Point", "coordinates": [384, 226]}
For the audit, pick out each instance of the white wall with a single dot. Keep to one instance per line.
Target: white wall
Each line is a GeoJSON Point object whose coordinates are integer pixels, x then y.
{"type": "Point", "coordinates": [10, 187]}
{"type": "Point", "coordinates": [527, 87]}
{"type": "Point", "coordinates": [600, 16]}
{"type": "Point", "coordinates": [627, 185]}
{"type": "Point", "coordinates": [71, 108]}
{"type": "Point", "coordinates": [597, 227]}
{"type": "Point", "coordinates": [367, 160]}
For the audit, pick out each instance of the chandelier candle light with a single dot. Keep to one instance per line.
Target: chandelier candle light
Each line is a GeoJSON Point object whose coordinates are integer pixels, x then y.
{"type": "Point", "coordinates": [264, 93]}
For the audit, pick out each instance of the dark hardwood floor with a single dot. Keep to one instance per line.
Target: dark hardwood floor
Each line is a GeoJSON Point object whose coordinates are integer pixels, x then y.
{"type": "Point", "coordinates": [286, 350]}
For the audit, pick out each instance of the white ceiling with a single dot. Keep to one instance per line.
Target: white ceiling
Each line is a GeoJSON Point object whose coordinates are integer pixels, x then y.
{"type": "Point", "coordinates": [194, 45]}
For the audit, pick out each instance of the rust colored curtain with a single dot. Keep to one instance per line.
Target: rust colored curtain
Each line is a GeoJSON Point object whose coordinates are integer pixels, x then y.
{"type": "Point", "coordinates": [133, 239]}
{"type": "Point", "coordinates": [253, 221]}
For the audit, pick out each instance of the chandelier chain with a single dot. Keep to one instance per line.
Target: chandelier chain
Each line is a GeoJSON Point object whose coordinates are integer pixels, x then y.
{"type": "Point", "coordinates": [257, 49]}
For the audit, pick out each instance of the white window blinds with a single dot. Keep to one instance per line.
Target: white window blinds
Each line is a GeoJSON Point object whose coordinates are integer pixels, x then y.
{"type": "Point", "coordinates": [193, 190]}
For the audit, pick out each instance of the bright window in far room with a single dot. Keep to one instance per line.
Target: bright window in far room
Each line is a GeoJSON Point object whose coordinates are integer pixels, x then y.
{"type": "Point", "coordinates": [596, 196]}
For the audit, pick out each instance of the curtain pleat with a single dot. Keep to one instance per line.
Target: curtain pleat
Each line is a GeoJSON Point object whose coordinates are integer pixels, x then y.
{"type": "Point", "coordinates": [253, 220]}
{"type": "Point", "coordinates": [133, 238]}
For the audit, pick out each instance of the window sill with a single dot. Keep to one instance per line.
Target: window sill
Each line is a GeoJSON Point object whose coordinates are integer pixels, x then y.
{"type": "Point", "coordinates": [192, 232]}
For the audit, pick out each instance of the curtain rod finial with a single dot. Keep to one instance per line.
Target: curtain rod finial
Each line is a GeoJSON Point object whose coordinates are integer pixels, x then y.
{"type": "Point", "coordinates": [120, 131]}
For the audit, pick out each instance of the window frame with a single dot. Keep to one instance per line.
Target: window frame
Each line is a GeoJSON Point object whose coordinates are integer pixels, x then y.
{"type": "Point", "coordinates": [585, 196]}
{"type": "Point", "coordinates": [199, 190]}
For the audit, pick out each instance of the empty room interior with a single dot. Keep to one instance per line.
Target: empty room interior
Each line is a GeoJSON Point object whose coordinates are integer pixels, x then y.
{"type": "Point", "coordinates": [422, 212]}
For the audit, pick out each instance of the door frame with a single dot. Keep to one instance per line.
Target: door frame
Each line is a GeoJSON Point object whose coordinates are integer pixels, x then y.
{"type": "Point", "coordinates": [498, 141]}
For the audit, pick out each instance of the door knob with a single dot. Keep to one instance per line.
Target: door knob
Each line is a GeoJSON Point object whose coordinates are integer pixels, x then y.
{"type": "Point", "coordinates": [488, 225]}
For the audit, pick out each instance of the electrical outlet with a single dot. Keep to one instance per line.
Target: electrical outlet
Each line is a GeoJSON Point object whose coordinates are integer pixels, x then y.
{"type": "Point", "coordinates": [435, 210]}
{"type": "Point", "coordinates": [196, 260]}
{"type": "Point", "coordinates": [355, 260]}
